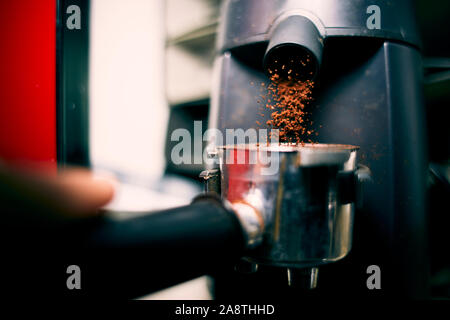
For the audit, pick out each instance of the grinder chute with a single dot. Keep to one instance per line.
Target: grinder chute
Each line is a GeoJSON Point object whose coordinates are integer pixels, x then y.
{"type": "Point", "coordinates": [295, 49]}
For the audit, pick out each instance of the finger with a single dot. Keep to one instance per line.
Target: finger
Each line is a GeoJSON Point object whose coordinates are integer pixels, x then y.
{"type": "Point", "coordinates": [84, 192]}
{"type": "Point", "coordinates": [42, 193]}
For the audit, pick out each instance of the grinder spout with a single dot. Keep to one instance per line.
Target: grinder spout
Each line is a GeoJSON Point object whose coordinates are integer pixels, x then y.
{"type": "Point", "coordinates": [294, 50]}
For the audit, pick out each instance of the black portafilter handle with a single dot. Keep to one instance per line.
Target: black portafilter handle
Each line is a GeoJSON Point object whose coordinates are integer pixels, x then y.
{"type": "Point", "coordinates": [136, 256]}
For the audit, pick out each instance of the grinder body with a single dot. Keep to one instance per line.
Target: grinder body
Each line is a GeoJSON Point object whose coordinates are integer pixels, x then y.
{"type": "Point", "coordinates": [368, 92]}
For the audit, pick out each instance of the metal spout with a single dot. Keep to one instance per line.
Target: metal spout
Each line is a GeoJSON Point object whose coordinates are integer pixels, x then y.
{"type": "Point", "coordinates": [303, 278]}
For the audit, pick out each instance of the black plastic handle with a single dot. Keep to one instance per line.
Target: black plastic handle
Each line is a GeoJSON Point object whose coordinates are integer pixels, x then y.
{"type": "Point", "coordinates": [132, 257]}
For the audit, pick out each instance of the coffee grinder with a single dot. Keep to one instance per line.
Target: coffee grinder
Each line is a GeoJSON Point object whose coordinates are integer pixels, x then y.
{"type": "Point", "coordinates": [300, 230]}
{"type": "Point", "coordinates": [364, 58]}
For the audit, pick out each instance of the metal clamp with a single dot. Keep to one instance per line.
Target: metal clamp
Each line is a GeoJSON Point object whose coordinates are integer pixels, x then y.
{"type": "Point", "coordinates": [212, 180]}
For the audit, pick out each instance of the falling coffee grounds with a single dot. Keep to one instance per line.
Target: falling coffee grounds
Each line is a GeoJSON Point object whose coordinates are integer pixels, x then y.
{"type": "Point", "coordinates": [286, 99]}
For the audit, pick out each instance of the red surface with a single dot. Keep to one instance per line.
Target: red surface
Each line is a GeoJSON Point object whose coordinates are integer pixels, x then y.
{"type": "Point", "coordinates": [238, 182]}
{"type": "Point", "coordinates": [27, 81]}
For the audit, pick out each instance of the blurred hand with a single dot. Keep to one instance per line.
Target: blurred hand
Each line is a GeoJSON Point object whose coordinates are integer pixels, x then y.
{"type": "Point", "coordinates": [44, 218]}
{"type": "Point", "coordinates": [79, 191]}
{"type": "Point", "coordinates": [33, 195]}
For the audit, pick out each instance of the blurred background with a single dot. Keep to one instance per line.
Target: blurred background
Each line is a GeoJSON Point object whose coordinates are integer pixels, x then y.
{"type": "Point", "coordinates": [150, 70]}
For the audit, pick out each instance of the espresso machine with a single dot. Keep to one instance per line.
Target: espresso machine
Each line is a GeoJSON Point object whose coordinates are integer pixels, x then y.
{"type": "Point", "coordinates": [364, 58]}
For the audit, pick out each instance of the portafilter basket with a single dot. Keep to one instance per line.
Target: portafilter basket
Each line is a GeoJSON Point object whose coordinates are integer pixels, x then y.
{"type": "Point", "coordinates": [304, 195]}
